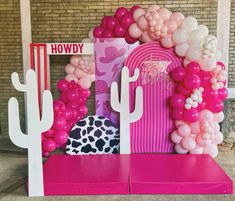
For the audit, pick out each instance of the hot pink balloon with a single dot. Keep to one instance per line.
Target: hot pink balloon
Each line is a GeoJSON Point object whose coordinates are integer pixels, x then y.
{"type": "Point", "coordinates": [220, 63]}
{"type": "Point", "coordinates": [61, 137]}
{"type": "Point", "coordinates": [120, 12]}
{"type": "Point", "coordinates": [68, 113]}
{"type": "Point", "coordinates": [182, 90]}
{"type": "Point", "coordinates": [126, 20]}
{"type": "Point", "coordinates": [111, 23]}
{"type": "Point", "coordinates": [215, 105]}
{"type": "Point", "coordinates": [48, 145]}
{"type": "Point", "coordinates": [177, 101]}
{"type": "Point", "coordinates": [178, 73]}
{"type": "Point", "coordinates": [130, 39]}
{"type": "Point", "coordinates": [191, 115]}
{"type": "Point", "coordinates": [62, 85]}
{"type": "Point", "coordinates": [49, 133]}
{"type": "Point", "coordinates": [209, 93]}
{"type": "Point", "coordinates": [107, 34]}
{"type": "Point", "coordinates": [83, 110]}
{"type": "Point", "coordinates": [58, 105]}
{"type": "Point", "coordinates": [85, 93]}
{"type": "Point", "coordinates": [193, 67]}
{"type": "Point", "coordinates": [223, 93]}
{"type": "Point", "coordinates": [201, 106]}
{"type": "Point", "coordinates": [59, 122]}
{"type": "Point", "coordinates": [119, 31]}
{"type": "Point", "coordinates": [177, 114]}
{"type": "Point", "coordinates": [192, 81]}
{"type": "Point", "coordinates": [72, 95]}
{"type": "Point", "coordinates": [205, 78]}
{"type": "Point", "coordinates": [98, 32]}
{"type": "Point", "coordinates": [104, 21]}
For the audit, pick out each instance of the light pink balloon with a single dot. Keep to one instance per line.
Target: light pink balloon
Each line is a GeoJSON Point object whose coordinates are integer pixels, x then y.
{"type": "Point", "coordinates": [69, 69]}
{"type": "Point", "coordinates": [74, 60]}
{"type": "Point", "coordinates": [85, 83]}
{"type": "Point", "coordinates": [79, 73]}
{"type": "Point", "coordinates": [138, 12]}
{"type": "Point", "coordinates": [216, 127]}
{"type": "Point", "coordinates": [179, 123]}
{"type": "Point", "coordinates": [142, 23]}
{"type": "Point", "coordinates": [134, 31]}
{"type": "Point", "coordinates": [91, 77]}
{"type": "Point", "coordinates": [219, 137]}
{"type": "Point", "coordinates": [196, 150]}
{"type": "Point", "coordinates": [188, 143]}
{"type": "Point", "coordinates": [178, 17]}
{"type": "Point", "coordinates": [180, 150]}
{"type": "Point", "coordinates": [152, 8]}
{"type": "Point", "coordinates": [195, 127]}
{"type": "Point", "coordinates": [146, 37]}
{"type": "Point", "coordinates": [184, 130]}
{"type": "Point", "coordinates": [171, 25]}
{"type": "Point", "coordinates": [164, 13]}
{"type": "Point", "coordinates": [202, 142]}
{"type": "Point", "coordinates": [71, 77]}
{"type": "Point", "coordinates": [167, 41]}
{"type": "Point", "coordinates": [206, 115]}
{"type": "Point", "coordinates": [212, 150]}
{"type": "Point", "coordinates": [219, 117]}
{"type": "Point", "coordinates": [175, 137]}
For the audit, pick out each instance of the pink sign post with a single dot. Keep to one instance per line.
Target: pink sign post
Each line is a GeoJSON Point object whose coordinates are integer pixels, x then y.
{"type": "Point", "coordinates": [152, 132]}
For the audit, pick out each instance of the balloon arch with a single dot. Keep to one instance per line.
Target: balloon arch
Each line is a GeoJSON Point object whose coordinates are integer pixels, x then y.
{"type": "Point", "coordinates": [200, 82]}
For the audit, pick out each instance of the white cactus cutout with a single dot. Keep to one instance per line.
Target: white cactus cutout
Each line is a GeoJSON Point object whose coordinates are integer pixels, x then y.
{"type": "Point", "coordinates": [122, 105]}
{"type": "Point", "coordinates": [35, 126]}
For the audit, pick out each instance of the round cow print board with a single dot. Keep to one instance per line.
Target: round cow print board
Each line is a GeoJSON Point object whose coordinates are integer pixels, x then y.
{"type": "Point", "coordinates": [93, 135]}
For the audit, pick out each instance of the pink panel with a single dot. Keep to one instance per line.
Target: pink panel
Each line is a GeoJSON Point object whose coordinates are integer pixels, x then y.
{"type": "Point", "coordinates": [177, 174]}
{"type": "Point", "coordinates": [110, 55]}
{"type": "Point", "coordinates": [90, 174]}
{"type": "Point", "coordinates": [151, 132]}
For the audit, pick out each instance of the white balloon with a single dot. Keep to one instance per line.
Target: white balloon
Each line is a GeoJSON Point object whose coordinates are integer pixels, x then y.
{"type": "Point", "coordinates": [218, 138]}
{"type": "Point", "coordinates": [197, 150]}
{"type": "Point", "coordinates": [179, 36]}
{"type": "Point", "coordinates": [196, 37]}
{"type": "Point", "coordinates": [187, 106]}
{"type": "Point", "coordinates": [86, 40]}
{"type": "Point", "coordinates": [208, 64]}
{"type": "Point", "coordinates": [204, 29]}
{"type": "Point", "coordinates": [181, 50]}
{"type": "Point", "coordinates": [194, 53]}
{"type": "Point", "coordinates": [189, 24]}
{"type": "Point", "coordinates": [175, 137]}
{"type": "Point", "coordinates": [180, 150]}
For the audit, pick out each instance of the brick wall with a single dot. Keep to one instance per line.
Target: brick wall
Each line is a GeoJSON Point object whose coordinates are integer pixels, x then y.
{"type": "Point", "coordinates": [70, 21]}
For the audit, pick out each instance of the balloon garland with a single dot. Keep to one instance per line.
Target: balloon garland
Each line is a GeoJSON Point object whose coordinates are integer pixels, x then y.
{"type": "Point", "coordinates": [200, 82]}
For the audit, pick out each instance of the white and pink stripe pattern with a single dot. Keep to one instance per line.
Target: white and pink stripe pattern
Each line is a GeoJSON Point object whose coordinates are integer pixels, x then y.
{"type": "Point", "coordinates": [152, 132]}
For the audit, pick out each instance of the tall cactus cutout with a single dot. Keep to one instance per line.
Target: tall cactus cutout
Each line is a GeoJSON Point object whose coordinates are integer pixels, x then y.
{"type": "Point", "coordinates": [35, 126]}
{"type": "Point", "coordinates": [122, 105]}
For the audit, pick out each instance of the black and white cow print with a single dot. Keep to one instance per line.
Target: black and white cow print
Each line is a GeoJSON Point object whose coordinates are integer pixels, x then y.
{"type": "Point", "coordinates": [93, 135]}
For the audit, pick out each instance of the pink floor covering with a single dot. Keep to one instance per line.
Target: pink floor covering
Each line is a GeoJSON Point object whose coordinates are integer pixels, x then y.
{"type": "Point", "coordinates": [134, 174]}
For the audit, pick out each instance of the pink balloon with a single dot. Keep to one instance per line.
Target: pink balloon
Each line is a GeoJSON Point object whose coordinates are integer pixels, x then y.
{"type": "Point", "coordinates": [152, 8]}
{"type": "Point", "coordinates": [146, 37]}
{"type": "Point", "coordinates": [142, 23]}
{"type": "Point", "coordinates": [220, 63]}
{"type": "Point", "coordinates": [73, 105]}
{"type": "Point", "coordinates": [104, 21]}
{"type": "Point", "coordinates": [48, 145]}
{"type": "Point", "coordinates": [178, 17]}
{"type": "Point", "coordinates": [111, 23]}
{"type": "Point", "coordinates": [83, 110]}
{"type": "Point", "coordinates": [61, 137]}
{"type": "Point", "coordinates": [71, 77]}
{"type": "Point", "coordinates": [120, 12]}
{"type": "Point", "coordinates": [85, 83]}
{"type": "Point", "coordinates": [205, 78]}
{"type": "Point", "coordinates": [206, 115]}
{"type": "Point", "coordinates": [62, 85]}
{"type": "Point", "coordinates": [177, 101]}
{"type": "Point", "coordinates": [215, 105]}
{"type": "Point", "coordinates": [134, 31]}
{"type": "Point", "coordinates": [126, 20]}
{"type": "Point", "coordinates": [184, 130]}
{"type": "Point", "coordinates": [59, 122]}
{"type": "Point", "coordinates": [68, 113]}
{"type": "Point", "coordinates": [193, 67]}
{"type": "Point", "coordinates": [49, 133]}
{"type": "Point", "coordinates": [58, 105]}
{"type": "Point", "coordinates": [98, 32]}
{"type": "Point", "coordinates": [167, 41]}
{"type": "Point", "coordinates": [164, 13]}
{"type": "Point", "coordinates": [180, 150]}
{"type": "Point", "coordinates": [177, 114]}
{"type": "Point", "coordinates": [72, 95]}
{"type": "Point", "coordinates": [179, 123]}
{"type": "Point", "coordinates": [201, 106]}
{"type": "Point", "coordinates": [171, 26]}
{"type": "Point", "coordinates": [85, 93]}
{"type": "Point", "coordinates": [223, 93]}
{"type": "Point", "coordinates": [130, 39]}
{"type": "Point", "coordinates": [209, 93]}
{"type": "Point", "coordinates": [219, 117]}
{"type": "Point", "coordinates": [191, 115]}
{"type": "Point", "coordinates": [119, 31]}
{"type": "Point", "coordinates": [188, 143]}
{"type": "Point", "coordinates": [175, 137]}
{"type": "Point", "coordinates": [107, 34]}
{"type": "Point", "coordinates": [69, 69]}
{"type": "Point", "coordinates": [192, 81]}
{"type": "Point", "coordinates": [74, 61]}
{"type": "Point", "coordinates": [219, 137]}
{"type": "Point", "coordinates": [134, 8]}
{"type": "Point", "coordinates": [202, 142]}
{"type": "Point", "coordinates": [182, 90]}
{"type": "Point", "coordinates": [138, 12]}
{"type": "Point", "coordinates": [79, 73]}
{"type": "Point", "coordinates": [178, 73]}
{"type": "Point", "coordinates": [195, 127]}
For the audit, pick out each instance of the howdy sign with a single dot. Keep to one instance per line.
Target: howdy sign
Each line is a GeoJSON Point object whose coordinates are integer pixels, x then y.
{"type": "Point", "coordinates": [69, 48]}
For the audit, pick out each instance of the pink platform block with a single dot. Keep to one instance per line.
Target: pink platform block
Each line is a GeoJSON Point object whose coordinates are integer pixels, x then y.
{"type": "Point", "coordinates": [86, 175]}
{"type": "Point", "coordinates": [134, 174]}
{"type": "Point", "coordinates": [177, 174]}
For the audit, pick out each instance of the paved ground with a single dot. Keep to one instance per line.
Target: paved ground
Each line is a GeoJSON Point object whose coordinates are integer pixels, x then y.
{"type": "Point", "coordinates": [13, 169]}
